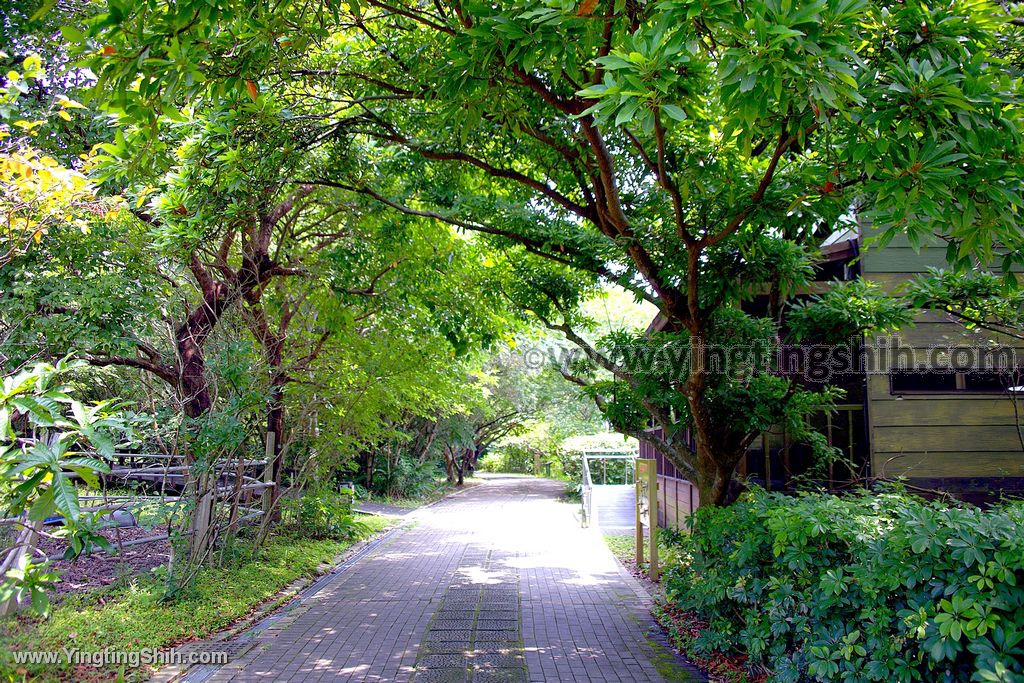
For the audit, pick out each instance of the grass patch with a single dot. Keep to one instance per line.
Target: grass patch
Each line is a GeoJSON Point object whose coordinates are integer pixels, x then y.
{"type": "Point", "coordinates": [435, 493]}
{"type": "Point", "coordinates": [622, 546]}
{"type": "Point", "coordinates": [130, 617]}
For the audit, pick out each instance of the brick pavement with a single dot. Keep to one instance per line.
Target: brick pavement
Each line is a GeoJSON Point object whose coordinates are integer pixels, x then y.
{"type": "Point", "coordinates": [498, 583]}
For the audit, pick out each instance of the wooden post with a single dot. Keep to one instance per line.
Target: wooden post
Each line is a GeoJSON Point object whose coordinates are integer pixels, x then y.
{"type": "Point", "coordinates": [202, 520]}
{"type": "Point", "coordinates": [200, 526]}
{"type": "Point", "coordinates": [653, 525]}
{"type": "Point", "coordinates": [639, 523]}
{"type": "Point", "coordinates": [647, 512]}
{"type": "Point", "coordinates": [268, 477]}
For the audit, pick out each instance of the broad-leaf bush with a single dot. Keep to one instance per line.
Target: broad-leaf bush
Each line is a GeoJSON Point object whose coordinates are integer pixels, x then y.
{"type": "Point", "coordinates": [323, 514]}
{"type": "Point", "coordinates": [48, 440]}
{"type": "Point", "coordinates": [863, 587]}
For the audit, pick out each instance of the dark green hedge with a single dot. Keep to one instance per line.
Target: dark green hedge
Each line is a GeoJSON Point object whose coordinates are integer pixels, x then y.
{"type": "Point", "coordinates": [863, 587]}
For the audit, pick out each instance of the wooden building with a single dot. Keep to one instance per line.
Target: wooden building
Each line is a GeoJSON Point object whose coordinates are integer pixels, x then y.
{"type": "Point", "coordinates": [956, 429]}
{"type": "Point", "coordinates": [937, 405]}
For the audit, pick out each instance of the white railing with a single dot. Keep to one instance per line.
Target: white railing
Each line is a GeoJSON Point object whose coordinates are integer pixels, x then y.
{"type": "Point", "coordinates": [586, 492]}
{"type": "Point", "coordinates": [587, 480]}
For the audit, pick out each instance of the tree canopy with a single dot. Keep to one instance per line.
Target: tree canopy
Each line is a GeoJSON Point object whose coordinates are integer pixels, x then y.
{"type": "Point", "coordinates": [282, 165]}
{"type": "Point", "coordinates": [693, 153]}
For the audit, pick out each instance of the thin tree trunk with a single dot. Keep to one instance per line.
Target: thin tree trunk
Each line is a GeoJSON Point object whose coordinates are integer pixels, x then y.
{"type": "Point", "coordinates": [425, 449]}
{"type": "Point", "coordinates": [24, 545]}
{"type": "Point", "coordinates": [449, 464]}
{"type": "Point", "coordinates": [370, 462]}
{"type": "Point", "coordinates": [275, 424]}
{"type": "Point", "coordinates": [461, 464]}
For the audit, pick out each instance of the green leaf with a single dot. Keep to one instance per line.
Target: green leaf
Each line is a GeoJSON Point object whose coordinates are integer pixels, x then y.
{"type": "Point", "coordinates": [94, 464]}
{"type": "Point", "coordinates": [40, 413]}
{"type": "Point", "coordinates": [43, 507]}
{"type": "Point", "coordinates": [65, 497]}
{"type": "Point", "coordinates": [674, 112]}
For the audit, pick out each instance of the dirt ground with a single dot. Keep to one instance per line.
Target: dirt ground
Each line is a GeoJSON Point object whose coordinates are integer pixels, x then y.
{"type": "Point", "coordinates": [101, 569]}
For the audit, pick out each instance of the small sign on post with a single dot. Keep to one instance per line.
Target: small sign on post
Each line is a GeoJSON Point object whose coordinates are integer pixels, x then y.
{"type": "Point", "coordinates": [647, 513]}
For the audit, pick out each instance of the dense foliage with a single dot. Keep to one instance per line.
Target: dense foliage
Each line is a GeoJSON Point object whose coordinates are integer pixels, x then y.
{"type": "Point", "coordinates": [864, 587]}
{"type": "Point", "coordinates": [978, 299]}
{"type": "Point", "coordinates": [322, 513]}
{"type": "Point", "coordinates": [695, 153]}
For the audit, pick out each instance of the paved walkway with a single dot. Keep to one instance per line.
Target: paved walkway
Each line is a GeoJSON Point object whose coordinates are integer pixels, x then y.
{"type": "Point", "coordinates": [498, 583]}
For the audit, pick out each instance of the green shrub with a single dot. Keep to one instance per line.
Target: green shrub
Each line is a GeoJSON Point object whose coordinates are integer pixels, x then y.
{"type": "Point", "coordinates": [863, 587]}
{"type": "Point", "coordinates": [322, 514]}
{"type": "Point", "coordinates": [405, 478]}
{"type": "Point", "coordinates": [515, 458]}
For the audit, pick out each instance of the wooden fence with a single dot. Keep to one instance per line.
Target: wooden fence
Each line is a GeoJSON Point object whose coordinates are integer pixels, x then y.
{"type": "Point", "coordinates": [773, 461]}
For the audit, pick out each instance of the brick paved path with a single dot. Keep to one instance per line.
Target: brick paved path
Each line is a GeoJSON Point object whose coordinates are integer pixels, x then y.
{"type": "Point", "coordinates": [498, 583]}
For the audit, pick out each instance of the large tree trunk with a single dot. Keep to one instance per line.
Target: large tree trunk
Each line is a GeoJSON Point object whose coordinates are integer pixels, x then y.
{"type": "Point", "coordinates": [193, 386]}
{"type": "Point", "coordinates": [718, 454]}
{"type": "Point", "coordinates": [718, 450]}
{"type": "Point", "coordinates": [191, 336]}
{"type": "Point", "coordinates": [714, 473]}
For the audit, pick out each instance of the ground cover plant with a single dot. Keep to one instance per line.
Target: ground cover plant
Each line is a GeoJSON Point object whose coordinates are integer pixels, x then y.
{"type": "Point", "coordinates": [880, 586]}
{"type": "Point", "coordinates": [132, 616]}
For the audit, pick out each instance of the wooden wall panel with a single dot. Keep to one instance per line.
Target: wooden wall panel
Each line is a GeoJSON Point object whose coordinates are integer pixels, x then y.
{"type": "Point", "coordinates": [677, 499]}
{"type": "Point", "coordinates": [964, 465]}
{"type": "Point", "coordinates": [946, 436]}
{"type": "Point", "coordinates": [929, 334]}
{"type": "Point", "coordinates": [942, 411]}
{"type": "Point", "coordinates": [902, 259]}
{"type": "Point", "coordinates": [946, 439]}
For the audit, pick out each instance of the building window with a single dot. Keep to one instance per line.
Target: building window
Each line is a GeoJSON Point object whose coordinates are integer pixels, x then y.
{"type": "Point", "coordinates": [922, 382]}
{"type": "Point", "coordinates": [990, 382]}
{"type": "Point", "coordinates": [945, 382]}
